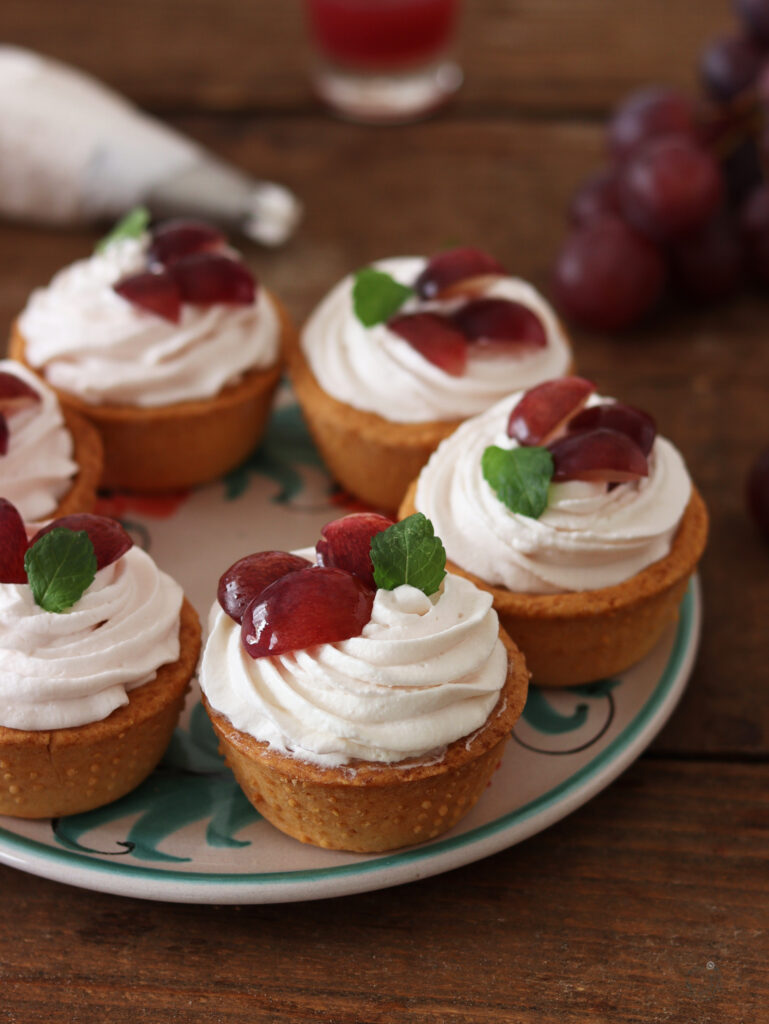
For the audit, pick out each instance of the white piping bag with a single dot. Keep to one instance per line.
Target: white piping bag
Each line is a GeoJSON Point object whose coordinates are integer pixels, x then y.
{"type": "Point", "coordinates": [73, 151]}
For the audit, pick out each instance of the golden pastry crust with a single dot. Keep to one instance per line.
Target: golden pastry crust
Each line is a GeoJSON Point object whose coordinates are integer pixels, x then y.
{"type": "Point", "coordinates": [88, 453]}
{"type": "Point", "coordinates": [56, 772]}
{"type": "Point", "coordinates": [175, 446]}
{"type": "Point", "coordinates": [367, 807]}
{"type": "Point", "coordinates": [373, 458]}
{"type": "Point", "coordinates": [580, 636]}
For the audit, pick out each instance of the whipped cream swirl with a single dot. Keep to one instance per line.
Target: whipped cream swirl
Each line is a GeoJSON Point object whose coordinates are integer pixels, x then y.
{"type": "Point", "coordinates": [588, 536]}
{"type": "Point", "coordinates": [91, 342]}
{"type": "Point", "coordinates": [69, 669]}
{"type": "Point", "coordinates": [425, 672]}
{"type": "Point", "coordinates": [375, 370]}
{"type": "Point", "coordinates": [37, 469]}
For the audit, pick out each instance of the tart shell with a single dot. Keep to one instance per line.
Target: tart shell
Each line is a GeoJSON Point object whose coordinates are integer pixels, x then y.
{"type": "Point", "coordinates": [373, 458]}
{"type": "Point", "coordinates": [367, 807]}
{"type": "Point", "coordinates": [67, 771]}
{"type": "Point", "coordinates": [88, 453]}
{"type": "Point", "coordinates": [581, 636]}
{"type": "Point", "coordinates": [181, 445]}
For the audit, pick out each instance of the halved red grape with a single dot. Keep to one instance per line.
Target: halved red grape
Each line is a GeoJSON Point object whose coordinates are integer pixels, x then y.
{"type": "Point", "coordinates": [708, 263]}
{"type": "Point", "coordinates": [599, 456]}
{"type": "Point", "coordinates": [758, 492]}
{"type": "Point", "coordinates": [596, 197]}
{"type": "Point", "coordinates": [670, 186]}
{"type": "Point", "coordinates": [543, 410]}
{"type": "Point", "coordinates": [176, 238]}
{"type": "Point", "coordinates": [13, 544]}
{"type": "Point", "coordinates": [305, 608]}
{"type": "Point", "coordinates": [346, 544]}
{"type": "Point", "coordinates": [434, 337]}
{"type": "Point", "coordinates": [754, 224]}
{"type": "Point", "coordinates": [729, 65]}
{"type": "Point", "coordinates": [245, 580]}
{"type": "Point", "coordinates": [607, 276]}
{"type": "Point", "coordinates": [455, 265]}
{"type": "Point", "coordinates": [110, 541]}
{"type": "Point", "coordinates": [625, 419]}
{"type": "Point", "coordinates": [208, 277]}
{"type": "Point", "coordinates": [500, 321]}
{"type": "Point", "coordinates": [16, 394]}
{"type": "Point", "coordinates": [650, 113]}
{"type": "Point", "coordinates": [3, 435]}
{"type": "Point", "coordinates": [156, 293]}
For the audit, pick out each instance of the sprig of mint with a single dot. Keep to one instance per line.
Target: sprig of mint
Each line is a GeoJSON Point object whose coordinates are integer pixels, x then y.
{"type": "Point", "coordinates": [60, 568]}
{"type": "Point", "coordinates": [134, 224]}
{"type": "Point", "coordinates": [376, 296]}
{"type": "Point", "coordinates": [409, 552]}
{"type": "Point", "coordinates": [520, 477]}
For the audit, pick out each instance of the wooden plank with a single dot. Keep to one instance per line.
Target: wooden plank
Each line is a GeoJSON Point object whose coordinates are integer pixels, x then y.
{"type": "Point", "coordinates": [503, 184]}
{"type": "Point", "coordinates": [541, 55]}
{"type": "Point", "coordinates": [646, 906]}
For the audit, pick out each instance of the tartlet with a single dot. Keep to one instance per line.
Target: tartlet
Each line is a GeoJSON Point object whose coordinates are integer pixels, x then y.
{"type": "Point", "coordinates": [378, 403]}
{"type": "Point", "coordinates": [382, 734]}
{"type": "Point", "coordinates": [53, 458]}
{"type": "Point", "coordinates": [94, 729]}
{"type": "Point", "coordinates": [162, 429]}
{"type": "Point", "coordinates": [576, 635]}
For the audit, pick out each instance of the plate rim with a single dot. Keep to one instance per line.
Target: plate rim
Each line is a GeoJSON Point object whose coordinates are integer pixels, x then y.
{"type": "Point", "coordinates": [379, 872]}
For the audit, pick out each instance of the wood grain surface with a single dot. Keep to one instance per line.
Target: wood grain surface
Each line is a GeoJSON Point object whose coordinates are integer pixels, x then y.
{"type": "Point", "coordinates": [651, 904]}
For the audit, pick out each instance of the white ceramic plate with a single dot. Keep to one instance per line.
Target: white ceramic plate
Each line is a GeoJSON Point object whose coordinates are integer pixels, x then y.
{"type": "Point", "coordinates": [188, 835]}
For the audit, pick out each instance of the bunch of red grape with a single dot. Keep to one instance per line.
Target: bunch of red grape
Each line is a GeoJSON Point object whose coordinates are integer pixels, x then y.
{"type": "Point", "coordinates": [683, 205]}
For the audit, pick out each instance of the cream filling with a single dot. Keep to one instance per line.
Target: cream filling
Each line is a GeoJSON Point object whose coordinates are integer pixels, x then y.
{"type": "Point", "coordinates": [375, 370]}
{"type": "Point", "coordinates": [588, 536]}
{"type": "Point", "coordinates": [425, 672]}
{"type": "Point", "coordinates": [69, 669]}
{"type": "Point", "coordinates": [91, 342]}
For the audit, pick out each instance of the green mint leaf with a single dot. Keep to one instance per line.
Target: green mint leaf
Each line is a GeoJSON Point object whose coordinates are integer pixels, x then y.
{"type": "Point", "coordinates": [520, 477]}
{"type": "Point", "coordinates": [60, 568]}
{"type": "Point", "coordinates": [134, 224]}
{"type": "Point", "coordinates": [376, 296]}
{"type": "Point", "coordinates": [409, 552]}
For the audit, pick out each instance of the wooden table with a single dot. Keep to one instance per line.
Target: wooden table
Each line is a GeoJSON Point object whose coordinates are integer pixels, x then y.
{"type": "Point", "coordinates": [652, 902]}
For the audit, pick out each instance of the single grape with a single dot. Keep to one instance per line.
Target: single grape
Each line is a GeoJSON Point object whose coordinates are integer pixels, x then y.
{"type": "Point", "coordinates": [754, 225]}
{"type": "Point", "coordinates": [435, 338]}
{"type": "Point", "coordinates": [757, 492]}
{"type": "Point", "coordinates": [708, 263]}
{"type": "Point", "coordinates": [452, 266]}
{"type": "Point", "coordinates": [755, 17]}
{"type": "Point", "coordinates": [500, 323]}
{"type": "Point", "coordinates": [16, 394]}
{"type": "Point", "coordinates": [154, 292]}
{"type": "Point", "coordinates": [305, 608]}
{"type": "Point", "coordinates": [599, 456]}
{"type": "Point", "coordinates": [626, 419]}
{"type": "Point", "coordinates": [110, 541]}
{"type": "Point", "coordinates": [346, 544]}
{"type": "Point", "coordinates": [208, 277]}
{"type": "Point", "coordinates": [607, 276]}
{"type": "Point", "coordinates": [596, 197]}
{"type": "Point", "coordinates": [670, 187]}
{"type": "Point", "coordinates": [543, 410]}
{"type": "Point", "coordinates": [176, 238]}
{"type": "Point", "coordinates": [729, 65]}
{"type": "Point", "coordinates": [648, 114]}
{"type": "Point", "coordinates": [4, 435]}
{"type": "Point", "coordinates": [13, 544]}
{"type": "Point", "coordinates": [245, 580]}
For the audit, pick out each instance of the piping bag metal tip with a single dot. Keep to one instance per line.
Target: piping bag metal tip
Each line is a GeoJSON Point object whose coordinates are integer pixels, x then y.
{"type": "Point", "coordinates": [262, 210]}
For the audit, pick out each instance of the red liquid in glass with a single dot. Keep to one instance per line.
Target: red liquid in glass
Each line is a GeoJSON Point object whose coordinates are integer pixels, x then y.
{"type": "Point", "coordinates": [381, 33]}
